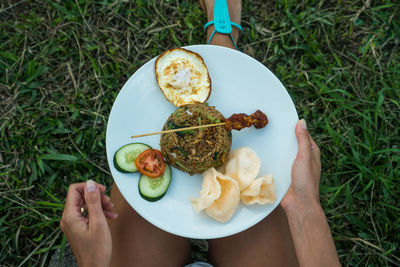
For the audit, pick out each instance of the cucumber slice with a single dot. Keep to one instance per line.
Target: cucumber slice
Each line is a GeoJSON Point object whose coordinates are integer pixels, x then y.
{"type": "Point", "coordinates": [153, 189]}
{"type": "Point", "coordinates": [125, 157]}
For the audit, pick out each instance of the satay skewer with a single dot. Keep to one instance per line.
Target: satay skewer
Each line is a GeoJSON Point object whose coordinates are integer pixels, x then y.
{"type": "Point", "coordinates": [236, 122]}
{"type": "Point", "coordinates": [180, 129]}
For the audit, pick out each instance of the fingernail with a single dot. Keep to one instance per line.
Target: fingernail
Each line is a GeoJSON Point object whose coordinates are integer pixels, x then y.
{"type": "Point", "coordinates": [303, 124]}
{"type": "Point", "coordinates": [90, 186]}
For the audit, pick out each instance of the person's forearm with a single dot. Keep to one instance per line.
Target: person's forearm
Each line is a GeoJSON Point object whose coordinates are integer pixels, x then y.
{"type": "Point", "coordinates": [311, 236]}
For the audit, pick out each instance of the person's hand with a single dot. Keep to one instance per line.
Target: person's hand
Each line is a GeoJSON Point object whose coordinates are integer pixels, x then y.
{"type": "Point", "coordinates": [306, 170]}
{"type": "Point", "coordinates": [89, 236]}
{"type": "Point", "coordinates": [308, 226]}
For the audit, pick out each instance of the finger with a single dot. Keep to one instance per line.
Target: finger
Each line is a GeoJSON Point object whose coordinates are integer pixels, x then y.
{"type": "Point", "coordinates": [93, 203]}
{"type": "Point", "coordinates": [75, 193]}
{"type": "Point", "coordinates": [102, 188]}
{"type": "Point", "coordinates": [106, 202]}
{"type": "Point", "coordinates": [303, 138]}
{"type": "Point", "coordinates": [74, 200]}
{"type": "Point", "coordinates": [110, 214]}
{"type": "Point", "coordinates": [84, 209]}
{"type": "Point", "coordinates": [104, 197]}
{"type": "Point", "coordinates": [73, 189]}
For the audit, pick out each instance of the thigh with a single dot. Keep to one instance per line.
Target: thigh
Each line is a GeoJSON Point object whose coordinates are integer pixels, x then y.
{"type": "Point", "coordinates": [136, 242]}
{"type": "Point", "coordinates": [268, 243]}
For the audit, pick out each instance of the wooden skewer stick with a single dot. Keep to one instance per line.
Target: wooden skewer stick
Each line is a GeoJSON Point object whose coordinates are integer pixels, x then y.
{"type": "Point", "coordinates": [180, 129]}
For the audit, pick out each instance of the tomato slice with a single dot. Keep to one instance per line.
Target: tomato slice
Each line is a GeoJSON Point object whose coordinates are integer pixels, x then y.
{"type": "Point", "coordinates": [150, 162]}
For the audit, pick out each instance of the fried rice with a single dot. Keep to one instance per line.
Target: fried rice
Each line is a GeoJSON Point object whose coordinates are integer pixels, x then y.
{"type": "Point", "coordinates": [194, 151]}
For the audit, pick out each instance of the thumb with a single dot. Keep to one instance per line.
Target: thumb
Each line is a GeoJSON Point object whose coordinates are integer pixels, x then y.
{"type": "Point", "coordinates": [303, 138]}
{"type": "Point", "coordinates": [93, 203]}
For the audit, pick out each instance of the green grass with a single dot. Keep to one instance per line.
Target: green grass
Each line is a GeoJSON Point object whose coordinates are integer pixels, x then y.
{"type": "Point", "coordinates": [62, 63]}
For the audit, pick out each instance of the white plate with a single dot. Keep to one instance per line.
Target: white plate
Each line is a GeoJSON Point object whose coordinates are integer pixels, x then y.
{"type": "Point", "coordinates": [240, 84]}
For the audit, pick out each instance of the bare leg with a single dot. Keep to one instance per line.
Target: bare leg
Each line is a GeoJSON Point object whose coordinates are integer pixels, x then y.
{"type": "Point", "coordinates": [136, 242]}
{"type": "Point", "coordinates": [268, 243]}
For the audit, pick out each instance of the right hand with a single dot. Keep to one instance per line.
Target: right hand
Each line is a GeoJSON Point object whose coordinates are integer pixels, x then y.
{"type": "Point", "coordinates": [306, 171]}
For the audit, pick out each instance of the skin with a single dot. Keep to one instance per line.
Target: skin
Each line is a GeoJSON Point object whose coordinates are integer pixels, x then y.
{"type": "Point", "coordinates": [235, 8]}
{"type": "Point", "coordinates": [89, 237]}
{"type": "Point", "coordinates": [307, 222]}
{"type": "Point", "coordinates": [296, 233]}
{"type": "Point", "coordinates": [136, 242]}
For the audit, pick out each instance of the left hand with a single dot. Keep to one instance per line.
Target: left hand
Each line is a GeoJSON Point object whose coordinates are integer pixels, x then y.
{"type": "Point", "coordinates": [306, 171]}
{"type": "Point", "coordinates": [89, 237]}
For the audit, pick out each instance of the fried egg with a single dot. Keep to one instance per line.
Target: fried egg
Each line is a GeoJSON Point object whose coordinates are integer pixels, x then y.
{"type": "Point", "coordinates": [183, 77]}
